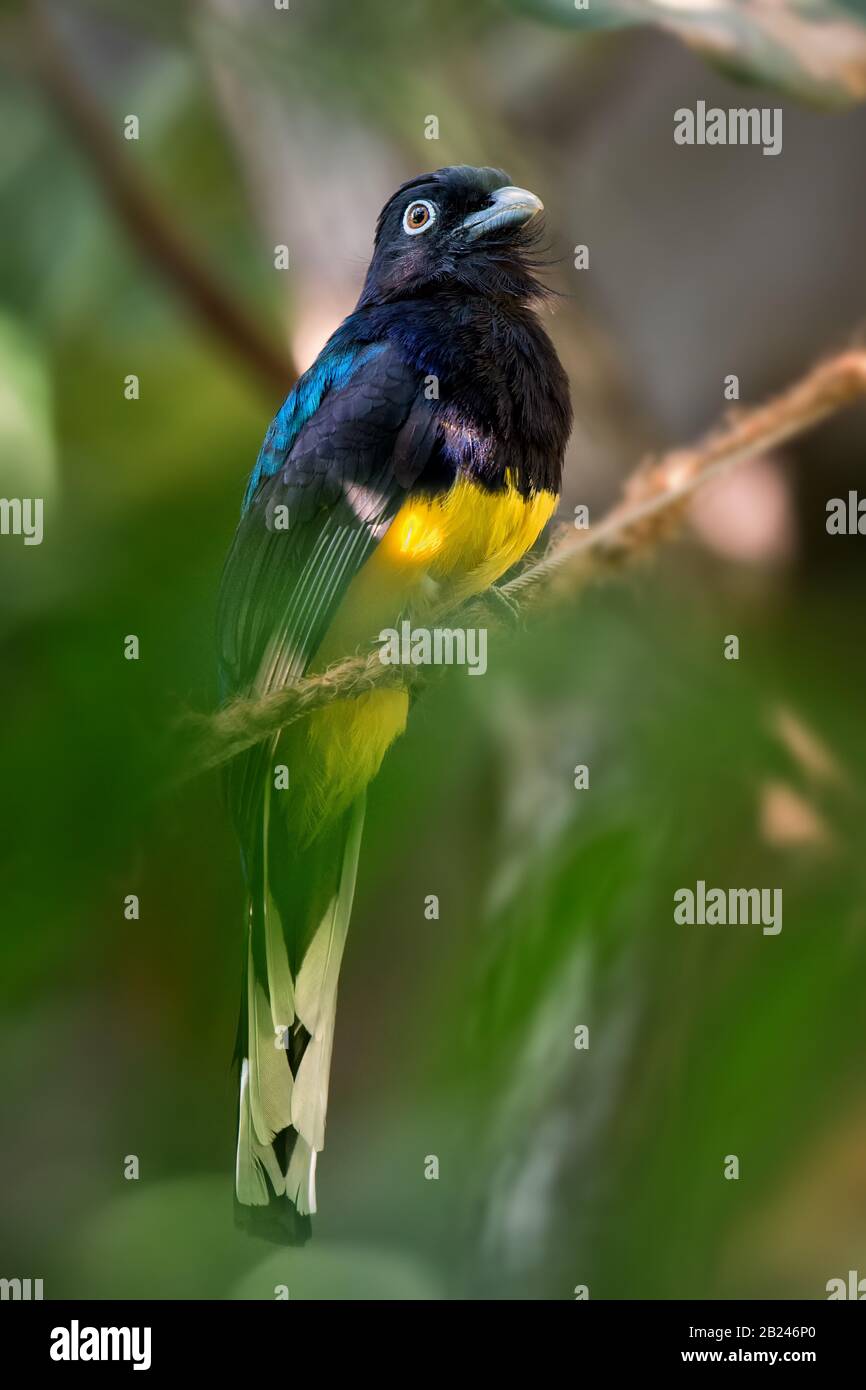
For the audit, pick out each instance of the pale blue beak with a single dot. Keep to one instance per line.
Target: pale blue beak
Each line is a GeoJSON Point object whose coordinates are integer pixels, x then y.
{"type": "Point", "coordinates": [509, 207]}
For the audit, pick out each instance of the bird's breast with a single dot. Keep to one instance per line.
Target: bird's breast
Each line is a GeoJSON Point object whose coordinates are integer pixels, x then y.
{"type": "Point", "coordinates": [453, 544]}
{"type": "Point", "coordinates": [464, 538]}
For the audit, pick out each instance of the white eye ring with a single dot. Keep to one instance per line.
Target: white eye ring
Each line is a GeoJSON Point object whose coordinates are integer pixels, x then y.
{"type": "Point", "coordinates": [425, 226]}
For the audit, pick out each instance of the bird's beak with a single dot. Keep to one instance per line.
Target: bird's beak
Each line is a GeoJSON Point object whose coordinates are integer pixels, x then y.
{"type": "Point", "coordinates": [508, 207]}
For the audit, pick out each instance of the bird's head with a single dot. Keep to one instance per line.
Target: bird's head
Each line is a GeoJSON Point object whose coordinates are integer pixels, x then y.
{"type": "Point", "coordinates": [457, 227]}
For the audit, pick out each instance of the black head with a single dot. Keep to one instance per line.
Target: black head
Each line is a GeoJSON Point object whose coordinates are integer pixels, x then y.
{"type": "Point", "coordinates": [457, 227]}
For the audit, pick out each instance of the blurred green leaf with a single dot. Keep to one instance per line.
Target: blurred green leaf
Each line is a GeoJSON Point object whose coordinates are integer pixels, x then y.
{"type": "Point", "coordinates": [27, 448]}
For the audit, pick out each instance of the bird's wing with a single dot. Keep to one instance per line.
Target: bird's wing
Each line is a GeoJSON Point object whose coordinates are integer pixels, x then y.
{"type": "Point", "coordinates": [309, 526]}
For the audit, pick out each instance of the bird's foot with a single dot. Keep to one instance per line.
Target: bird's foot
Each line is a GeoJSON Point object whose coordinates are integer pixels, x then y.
{"type": "Point", "coordinates": [509, 608]}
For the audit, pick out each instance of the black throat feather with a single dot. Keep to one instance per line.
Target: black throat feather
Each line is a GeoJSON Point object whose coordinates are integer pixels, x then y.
{"type": "Point", "coordinates": [492, 375]}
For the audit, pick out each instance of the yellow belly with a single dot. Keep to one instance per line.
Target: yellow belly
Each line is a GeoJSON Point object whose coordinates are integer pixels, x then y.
{"type": "Point", "coordinates": [462, 540]}
{"type": "Point", "coordinates": [466, 538]}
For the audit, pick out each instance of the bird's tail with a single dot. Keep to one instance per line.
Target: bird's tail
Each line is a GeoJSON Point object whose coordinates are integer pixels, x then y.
{"type": "Point", "coordinates": [297, 931]}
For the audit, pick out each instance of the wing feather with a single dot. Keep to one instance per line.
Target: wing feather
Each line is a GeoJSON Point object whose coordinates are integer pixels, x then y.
{"type": "Point", "coordinates": [345, 474]}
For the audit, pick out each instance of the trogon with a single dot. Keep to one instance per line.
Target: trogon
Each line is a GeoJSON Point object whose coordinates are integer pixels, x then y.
{"type": "Point", "coordinates": [416, 461]}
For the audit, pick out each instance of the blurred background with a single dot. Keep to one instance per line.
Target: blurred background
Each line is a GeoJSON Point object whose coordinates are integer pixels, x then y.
{"type": "Point", "coordinates": [154, 257]}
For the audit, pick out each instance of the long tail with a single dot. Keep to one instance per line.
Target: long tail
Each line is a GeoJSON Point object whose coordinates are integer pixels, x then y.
{"type": "Point", "coordinates": [297, 930]}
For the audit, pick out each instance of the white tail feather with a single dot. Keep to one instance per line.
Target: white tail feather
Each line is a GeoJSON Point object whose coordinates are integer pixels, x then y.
{"type": "Point", "coordinates": [281, 988]}
{"type": "Point", "coordinates": [301, 1177]}
{"type": "Point", "coordinates": [270, 1076]}
{"type": "Point", "coordinates": [316, 994]}
{"type": "Point", "coordinates": [253, 1159]}
{"type": "Point", "coordinates": [271, 1099]}
{"type": "Point", "coordinates": [316, 988]}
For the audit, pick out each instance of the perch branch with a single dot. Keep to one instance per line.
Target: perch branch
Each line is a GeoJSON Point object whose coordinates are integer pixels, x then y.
{"type": "Point", "coordinates": [653, 503]}
{"type": "Point", "coordinates": [145, 219]}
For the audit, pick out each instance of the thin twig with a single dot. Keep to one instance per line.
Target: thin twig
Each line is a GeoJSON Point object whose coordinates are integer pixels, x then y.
{"type": "Point", "coordinates": [146, 220]}
{"type": "Point", "coordinates": [653, 503]}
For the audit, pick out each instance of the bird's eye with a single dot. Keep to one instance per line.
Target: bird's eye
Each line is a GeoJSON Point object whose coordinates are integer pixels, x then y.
{"type": "Point", "coordinates": [418, 217]}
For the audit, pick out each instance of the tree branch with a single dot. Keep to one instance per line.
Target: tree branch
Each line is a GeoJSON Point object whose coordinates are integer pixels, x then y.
{"type": "Point", "coordinates": [145, 219]}
{"type": "Point", "coordinates": [654, 500]}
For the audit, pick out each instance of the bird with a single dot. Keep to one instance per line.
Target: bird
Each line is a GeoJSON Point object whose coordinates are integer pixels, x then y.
{"type": "Point", "coordinates": [416, 461]}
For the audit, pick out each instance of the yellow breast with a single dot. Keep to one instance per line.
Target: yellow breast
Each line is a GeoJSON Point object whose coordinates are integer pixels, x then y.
{"type": "Point", "coordinates": [463, 540]}
{"type": "Point", "coordinates": [466, 537]}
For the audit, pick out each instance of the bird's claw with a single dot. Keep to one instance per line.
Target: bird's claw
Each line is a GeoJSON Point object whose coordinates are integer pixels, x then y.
{"type": "Point", "coordinates": [509, 607]}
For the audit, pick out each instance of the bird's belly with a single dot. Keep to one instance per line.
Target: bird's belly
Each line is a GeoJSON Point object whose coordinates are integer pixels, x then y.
{"type": "Point", "coordinates": [463, 540]}
{"type": "Point", "coordinates": [345, 743]}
